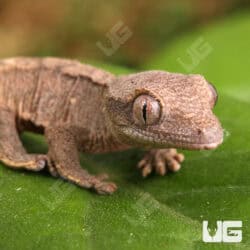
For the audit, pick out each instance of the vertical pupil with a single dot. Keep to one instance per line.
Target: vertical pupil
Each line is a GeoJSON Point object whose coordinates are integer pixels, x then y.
{"type": "Point", "coordinates": [144, 112]}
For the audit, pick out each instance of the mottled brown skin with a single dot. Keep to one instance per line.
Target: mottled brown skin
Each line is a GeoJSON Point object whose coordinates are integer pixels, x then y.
{"type": "Point", "coordinates": [80, 108]}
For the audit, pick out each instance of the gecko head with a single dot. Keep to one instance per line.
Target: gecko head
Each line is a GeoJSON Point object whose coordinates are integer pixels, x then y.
{"type": "Point", "coordinates": [160, 109]}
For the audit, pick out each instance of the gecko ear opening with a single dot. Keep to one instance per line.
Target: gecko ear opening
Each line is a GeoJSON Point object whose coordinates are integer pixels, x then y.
{"type": "Point", "coordinates": [214, 92]}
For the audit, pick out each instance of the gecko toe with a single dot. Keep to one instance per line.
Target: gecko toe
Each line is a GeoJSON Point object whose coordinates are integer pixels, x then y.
{"type": "Point", "coordinates": [147, 169]}
{"type": "Point", "coordinates": [105, 188]}
{"type": "Point", "coordinates": [141, 164]}
{"type": "Point", "coordinates": [102, 177]}
{"type": "Point", "coordinates": [161, 168]}
{"type": "Point", "coordinates": [174, 160]}
{"type": "Point", "coordinates": [179, 157]}
{"type": "Point", "coordinates": [146, 165]}
{"type": "Point", "coordinates": [41, 162]}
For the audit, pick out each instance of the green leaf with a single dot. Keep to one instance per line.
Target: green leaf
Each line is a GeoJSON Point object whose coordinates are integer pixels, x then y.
{"type": "Point", "coordinates": [41, 212]}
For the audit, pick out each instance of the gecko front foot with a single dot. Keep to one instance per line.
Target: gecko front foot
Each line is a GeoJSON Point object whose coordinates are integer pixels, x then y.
{"type": "Point", "coordinates": [102, 187]}
{"type": "Point", "coordinates": [80, 177]}
{"type": "Point", "coordinates": [160, 160]}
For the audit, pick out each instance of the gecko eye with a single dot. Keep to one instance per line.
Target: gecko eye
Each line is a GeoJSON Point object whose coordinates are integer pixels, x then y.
{"type": "Point", "coordinates": [146, 110]}
{"type": "Point", "coordinates": [214, 95]}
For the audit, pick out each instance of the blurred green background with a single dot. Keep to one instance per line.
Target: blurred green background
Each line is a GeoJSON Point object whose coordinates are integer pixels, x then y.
{"type": "Point", "coordinates": [208, 37]}
{"type": "Point", "coordinates": [71, 28]}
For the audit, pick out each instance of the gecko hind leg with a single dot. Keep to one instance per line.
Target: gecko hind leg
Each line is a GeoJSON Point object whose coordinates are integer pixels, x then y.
{"type": "Point", "coordinates": [12, 152]}
{"type": "Point", "coordinates": [64, 162]}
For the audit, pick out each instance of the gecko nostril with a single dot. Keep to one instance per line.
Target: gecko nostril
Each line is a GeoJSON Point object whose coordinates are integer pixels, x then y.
{"type": "Point", "coordinates": [199, 131]}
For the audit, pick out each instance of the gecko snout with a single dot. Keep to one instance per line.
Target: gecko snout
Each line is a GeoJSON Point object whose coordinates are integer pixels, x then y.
{"type": "Point", "coordinates": [210, 137]}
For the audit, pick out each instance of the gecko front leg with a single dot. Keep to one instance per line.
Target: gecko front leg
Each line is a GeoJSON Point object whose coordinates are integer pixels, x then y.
{"type": "Point", "coordinates": [160, 160]}
{"type": "Point", "coordinates": [64, 161]}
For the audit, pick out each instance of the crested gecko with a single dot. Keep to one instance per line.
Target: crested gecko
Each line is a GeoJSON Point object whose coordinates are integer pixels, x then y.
{"type": "Point", "coordinates": [80, 108]}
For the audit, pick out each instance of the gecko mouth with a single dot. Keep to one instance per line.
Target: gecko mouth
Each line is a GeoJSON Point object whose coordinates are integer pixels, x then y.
{"type": "Point", "coordinates": [146, 138]}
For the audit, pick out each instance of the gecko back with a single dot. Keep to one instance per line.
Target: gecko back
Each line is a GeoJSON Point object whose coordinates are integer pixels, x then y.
{"type": "Point", "coordinates": [51, 90]}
